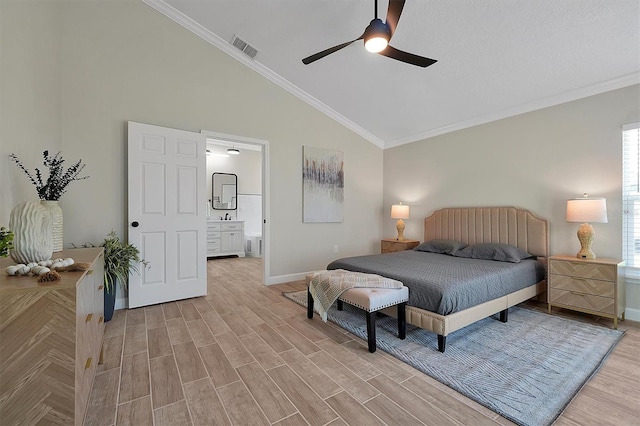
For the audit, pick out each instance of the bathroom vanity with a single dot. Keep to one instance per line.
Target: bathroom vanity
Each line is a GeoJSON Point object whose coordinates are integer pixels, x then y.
{"type": "Point", "coordinates": [225, 238]}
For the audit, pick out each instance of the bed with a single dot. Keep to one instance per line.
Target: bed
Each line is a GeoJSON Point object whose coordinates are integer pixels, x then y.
{"type": "Point", "coordinates": [444, 304]}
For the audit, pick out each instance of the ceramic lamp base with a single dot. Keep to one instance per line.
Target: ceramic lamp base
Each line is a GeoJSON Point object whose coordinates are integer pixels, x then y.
{"type": "Point", "coordinates": [586, 235]}
{"type": "Point", "coordinates": [400, 228]}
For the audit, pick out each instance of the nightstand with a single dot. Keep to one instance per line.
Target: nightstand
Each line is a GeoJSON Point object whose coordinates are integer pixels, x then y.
{"type": "Point", "coordinates": [389, 245]}
{"type": "Point", "coordinates": [594, 286]}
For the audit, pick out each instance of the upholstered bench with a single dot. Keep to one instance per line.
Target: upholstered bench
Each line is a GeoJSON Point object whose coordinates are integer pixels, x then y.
{"type": "Point", "coordinates": [371, 300]}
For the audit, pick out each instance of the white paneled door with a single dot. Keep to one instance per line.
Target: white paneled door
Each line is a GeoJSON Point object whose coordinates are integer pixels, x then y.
{"type": "Point", "coordinates": [167, 217]}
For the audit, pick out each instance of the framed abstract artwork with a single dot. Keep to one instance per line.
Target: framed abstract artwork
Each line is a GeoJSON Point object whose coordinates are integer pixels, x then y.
{"type": "Point", "coordinates": [322, 185]}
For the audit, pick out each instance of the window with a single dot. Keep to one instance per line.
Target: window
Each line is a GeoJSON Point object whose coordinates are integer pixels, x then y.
{"type": "Point", "coordinates": [631, 198]}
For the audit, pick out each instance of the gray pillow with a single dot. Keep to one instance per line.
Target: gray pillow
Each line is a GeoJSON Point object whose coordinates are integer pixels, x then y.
{"type": "Point", "coordinates": [494, 251]}
{"type": "Point", "coordinates": [441, 246]}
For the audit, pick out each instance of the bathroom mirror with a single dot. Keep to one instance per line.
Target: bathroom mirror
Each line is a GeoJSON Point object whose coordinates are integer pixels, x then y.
{"type": "Point", "coordinates": [224, 188]}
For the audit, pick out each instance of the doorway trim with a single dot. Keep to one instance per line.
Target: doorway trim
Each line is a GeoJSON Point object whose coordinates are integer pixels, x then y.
{"type": "Point", "coordinates": [266, 224]}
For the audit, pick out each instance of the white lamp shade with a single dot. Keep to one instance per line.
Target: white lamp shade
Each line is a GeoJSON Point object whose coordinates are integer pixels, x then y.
{"type": "Point", "coordinates": [586, 210]}
{"type": "Point", "coordinates": [399, 211]}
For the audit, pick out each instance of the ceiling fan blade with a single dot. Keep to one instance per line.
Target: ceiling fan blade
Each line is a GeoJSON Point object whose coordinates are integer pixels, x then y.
{"type": "Point", "coordinates": [393, 14]}
{"type": "Point", "coordinates": [409, 58]}
{"type": "Point", "coordinates": [326, 52]}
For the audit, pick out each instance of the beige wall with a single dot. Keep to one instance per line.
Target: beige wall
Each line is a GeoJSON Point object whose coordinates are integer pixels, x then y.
{"type": "Point", "coordinates": [536, 161]}
{"type": "Point", "coordinates": [73, 74]}
{"type": "Point", "coordinates": [29, 94]}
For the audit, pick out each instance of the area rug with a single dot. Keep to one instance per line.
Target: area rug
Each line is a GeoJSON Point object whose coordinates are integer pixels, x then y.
{"type": "Point", "coordinates": [527, 370]}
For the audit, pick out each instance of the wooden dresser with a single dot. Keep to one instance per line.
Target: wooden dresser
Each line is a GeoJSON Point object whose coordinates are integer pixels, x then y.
{"type": "Point", "coordinates": [50, 342]}
{"type": "Point", "coordinates": [390, 245]}
{"type": "Point", "coordinates": [593, 286]}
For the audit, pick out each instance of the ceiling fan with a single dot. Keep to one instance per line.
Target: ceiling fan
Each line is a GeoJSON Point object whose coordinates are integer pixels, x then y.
{"type": "Point", "coordinates": [376, 39]}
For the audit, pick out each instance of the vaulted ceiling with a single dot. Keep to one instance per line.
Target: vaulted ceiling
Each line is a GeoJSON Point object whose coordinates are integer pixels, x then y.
{"type": "Point", "coordinates": [496, 58]}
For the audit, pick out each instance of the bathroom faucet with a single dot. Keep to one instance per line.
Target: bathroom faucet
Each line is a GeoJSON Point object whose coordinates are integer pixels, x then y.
{"type": "Point", "coordinates": [226, 216]}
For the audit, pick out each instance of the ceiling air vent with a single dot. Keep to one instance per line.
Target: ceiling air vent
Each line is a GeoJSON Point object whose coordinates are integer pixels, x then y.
{"type": "Point", "coordinates": [248, 50]}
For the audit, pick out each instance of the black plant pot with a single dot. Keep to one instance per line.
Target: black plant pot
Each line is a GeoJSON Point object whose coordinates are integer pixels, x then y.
{"type": "Point", "coordinates": [109, 302]}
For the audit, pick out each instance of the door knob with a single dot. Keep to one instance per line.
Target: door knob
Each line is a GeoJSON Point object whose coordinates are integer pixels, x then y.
{"type": "Point", "coordinates": [135, 224]}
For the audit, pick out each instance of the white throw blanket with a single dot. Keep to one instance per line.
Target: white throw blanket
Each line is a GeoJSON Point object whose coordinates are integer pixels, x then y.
{"type": "Point", "coordinates": [326, 286]}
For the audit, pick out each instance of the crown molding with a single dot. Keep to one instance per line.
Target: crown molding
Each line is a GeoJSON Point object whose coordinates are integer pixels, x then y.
{"type": "Point", "coordinates": [572, 95]}
{"type": "Point", "coordinates": [205, 34]}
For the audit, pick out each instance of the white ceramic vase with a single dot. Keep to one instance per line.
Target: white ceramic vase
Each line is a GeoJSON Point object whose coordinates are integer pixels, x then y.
{"type": "Point", "coordinates": [31, 226]}
{"type": "Point", "coordinates": [57, 231]}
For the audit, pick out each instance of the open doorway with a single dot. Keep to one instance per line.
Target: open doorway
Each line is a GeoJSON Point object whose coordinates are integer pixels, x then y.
{"type": "Point", "coordinates": [245, 158]}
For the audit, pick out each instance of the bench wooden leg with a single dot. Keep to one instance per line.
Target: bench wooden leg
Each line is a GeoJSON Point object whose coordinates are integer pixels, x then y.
{"type": "Point", "coordinates": [402, 321]}
{"type": "Point", "coordinates": [371, 331]}
{"type": "Point", "coordinates": [309, 304]}
{"type": "Point", "coordinates": [442, 340]}
{"type": "Point", "coordinates": [504, 315]}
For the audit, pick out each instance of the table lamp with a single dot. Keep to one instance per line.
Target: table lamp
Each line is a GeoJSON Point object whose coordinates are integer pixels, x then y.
{"type": "Point", "coordinates": [400, 211]}
{"type": "Point", "coordinates": [586, 210]}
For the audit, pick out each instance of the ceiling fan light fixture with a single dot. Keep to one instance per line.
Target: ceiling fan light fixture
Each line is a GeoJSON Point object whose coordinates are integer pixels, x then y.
{"type": "Point", "coordinates": [376, 39]}
{"type": "Point", "coordinates": [376, 36]}
{"type": "Point", "coordinates": [233, 151]}
{"type": "Point", "coordinates": [376, 44]}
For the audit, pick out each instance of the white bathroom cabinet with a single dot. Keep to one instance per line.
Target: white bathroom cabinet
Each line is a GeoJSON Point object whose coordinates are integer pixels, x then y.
{"type": "Point", "coordinates": [225, 238]}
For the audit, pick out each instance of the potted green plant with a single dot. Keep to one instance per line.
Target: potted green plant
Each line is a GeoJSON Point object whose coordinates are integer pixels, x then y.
{"type": "Point", "coordinates": [120, 259]}
{"type": "Point", "coordinates": [6, 242]}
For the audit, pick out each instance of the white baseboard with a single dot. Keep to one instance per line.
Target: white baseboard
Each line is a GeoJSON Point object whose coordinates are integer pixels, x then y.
{"type": "Point", "coordinates": [121, 304]}
{"type": "Point", "coordinates": [280, 279]}
{"type": "Point", "coordinates": [632, 314]}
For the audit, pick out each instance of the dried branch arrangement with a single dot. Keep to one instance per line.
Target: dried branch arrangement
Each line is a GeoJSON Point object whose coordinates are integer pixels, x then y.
{"type": "Point", "coordinates": [59, 178]}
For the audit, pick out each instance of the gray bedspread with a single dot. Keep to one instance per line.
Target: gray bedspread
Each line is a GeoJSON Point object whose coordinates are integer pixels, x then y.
{"type": "Point", "coordinates": [446, 284]}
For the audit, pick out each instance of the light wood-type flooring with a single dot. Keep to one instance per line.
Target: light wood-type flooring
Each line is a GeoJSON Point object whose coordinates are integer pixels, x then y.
{"type": "Point", "coordinates": [245, 355]}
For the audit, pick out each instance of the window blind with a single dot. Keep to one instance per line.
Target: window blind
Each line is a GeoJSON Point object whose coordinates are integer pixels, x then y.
{"type": "Point", "coordinates": [631, 199]}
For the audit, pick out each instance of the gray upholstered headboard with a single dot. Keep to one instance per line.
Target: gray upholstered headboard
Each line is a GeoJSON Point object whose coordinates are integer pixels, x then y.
{"type": "Point", "coordinates": [507, 225]}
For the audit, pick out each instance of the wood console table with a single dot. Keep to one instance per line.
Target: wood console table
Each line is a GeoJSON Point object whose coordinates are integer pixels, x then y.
{"type": "Point", "coordinates": [50, 342]}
